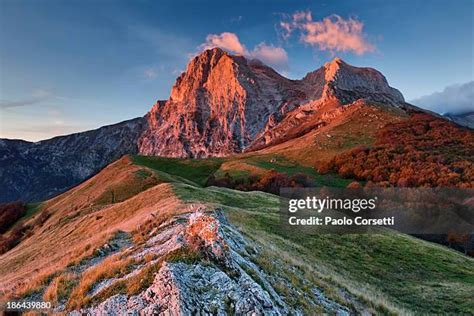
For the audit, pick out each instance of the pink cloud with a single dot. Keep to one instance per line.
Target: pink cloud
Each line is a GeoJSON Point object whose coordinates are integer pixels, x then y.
{"type": "Point", "coordinates": [269, 54]}
{"type": "Point", "coordinates": [227, 41]}
{"type": "Point", "coordinates": [332, 33]}
{"type": "Point", "coordinates": [299, 16]}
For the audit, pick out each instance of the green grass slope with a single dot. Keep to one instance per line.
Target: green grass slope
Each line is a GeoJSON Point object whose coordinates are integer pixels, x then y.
{"type": "Point", "coordinates": [195, 170]}
{"type": "Point", "coordinates": [395, 273]}
{"type": "Point", "coordinates": [198, 171]}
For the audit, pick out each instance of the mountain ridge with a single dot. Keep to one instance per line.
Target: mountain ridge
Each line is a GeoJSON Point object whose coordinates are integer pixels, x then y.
{"type": "Point", "coordinates": [222, 105]}
{"type": "Point", "coordinates": [464, 118]}
{"type": "Point", "coordinates": [36, 171]}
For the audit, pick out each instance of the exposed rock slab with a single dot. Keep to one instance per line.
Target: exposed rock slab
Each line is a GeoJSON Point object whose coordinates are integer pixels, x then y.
{"type": "Point", "coordinates": [223, 282]}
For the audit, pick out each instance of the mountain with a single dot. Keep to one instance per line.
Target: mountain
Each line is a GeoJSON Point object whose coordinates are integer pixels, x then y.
{"type": "Point", "coordinates": [36, 171]}
{"type": "Point", "coordinates": [217, 107]}
{"type": "Point", "coordinates": [344, 83]}
{"type": "Point", "coordinates": [464, 119]}
{"type": "Point", "coordinates": [221, 105]}
{"type": "Point", "coordinates": [224, 104]}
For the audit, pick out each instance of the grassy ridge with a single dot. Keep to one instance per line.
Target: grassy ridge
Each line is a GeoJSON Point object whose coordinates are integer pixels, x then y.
{"type": "Point", "coordinates": [195, 170]}
{"type": "Point", "coordinates": [393, 271]}
{"type": "Point", "coordinates": [398, 272]}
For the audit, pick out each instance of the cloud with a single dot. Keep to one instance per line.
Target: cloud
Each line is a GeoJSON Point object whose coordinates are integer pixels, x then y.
{"type": "Point", "coordinates": [236, 19]}
{"type": "Point", "coordinates": [227, 41]}
{"type": "Point", "coordinates": [37, 96]}
{"type": "Point", "coordinates": [166, 44]}
{"type": "Point", "coordinates": [150, 73]}
{"type": "Point", "coordinates": [333, 33]}
{"type": "Point", "coordinates": [456, 99]}
{"type": "Point", "coordinates": [269, 54]}
{"type": "Point", "coordinates": [43, 130]}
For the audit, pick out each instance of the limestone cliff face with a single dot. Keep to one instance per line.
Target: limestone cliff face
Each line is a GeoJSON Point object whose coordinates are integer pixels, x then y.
{"type": "Point", "coordinates": [217, 107]}
{"type": "Point", "coordinates": [224, 104]}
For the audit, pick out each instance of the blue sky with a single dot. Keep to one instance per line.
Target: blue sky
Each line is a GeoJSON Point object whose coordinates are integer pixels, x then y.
{"type": "Point", "coordinates": [68, 66]}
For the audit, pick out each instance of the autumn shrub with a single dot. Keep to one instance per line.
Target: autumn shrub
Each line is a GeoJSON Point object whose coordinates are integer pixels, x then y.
{"type": "Point", "coordinates": [10, 213]}
{"type": "Point", "coordinates": [423, 151]}
{"type": "Point", "coordinates": [14, 237]}
{"type": "Point", "coordinates": [21, 231]}
{"type": "Point", "coordinates": [270, 182]}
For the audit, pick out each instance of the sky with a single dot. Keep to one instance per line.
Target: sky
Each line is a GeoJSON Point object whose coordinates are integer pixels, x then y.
{"type": "Point", "coordinates": [69, 66]}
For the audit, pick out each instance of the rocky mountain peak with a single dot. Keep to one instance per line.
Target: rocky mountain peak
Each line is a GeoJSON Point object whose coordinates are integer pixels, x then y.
{"type": "Point", "coordinates": [331, 68]}
{"type": "Point", "coordinates": [337, 80]}
{"type": "Point", "coordinates": [222, 103]}
{"type": "Point", "coordinates": [201, 71]}
{"type": "Point", "coordinates": [351, 83]}
{"type": "Point", "coordinates": [217, 107]}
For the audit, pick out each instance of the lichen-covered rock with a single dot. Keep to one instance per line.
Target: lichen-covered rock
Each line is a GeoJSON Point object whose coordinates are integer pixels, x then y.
{"type": "Point", "coordinates": [186, 289]}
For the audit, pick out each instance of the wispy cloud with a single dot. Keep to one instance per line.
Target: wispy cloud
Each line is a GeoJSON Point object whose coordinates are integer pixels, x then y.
{"type": "Point", "coordinates": [333, 33]}
{"type": "Point", "coordinates": [37, 97]}
{"type": "Point", "coordinates": [236, 19]}
{"type": "Point", "coordinates": [150, 73]}
{"type": "Point", "coordinates": [165, 44]}
{"type": "Point", "coordinates": [43, 130]}
{"type": "Point", "coordinates": [269, 54]}
{"type": "Point", "coordinates": [458, 98]}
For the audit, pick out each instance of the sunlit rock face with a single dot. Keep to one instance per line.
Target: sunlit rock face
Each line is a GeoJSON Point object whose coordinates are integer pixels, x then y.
{"type": "Point", "coordinates": [223, 103]}
{"type": "Point", "coordinates": [217, 107]}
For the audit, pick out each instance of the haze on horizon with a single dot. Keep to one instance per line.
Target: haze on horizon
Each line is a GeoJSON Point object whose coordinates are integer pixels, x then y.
{"type": "Point", "coordinates": [71, 67]}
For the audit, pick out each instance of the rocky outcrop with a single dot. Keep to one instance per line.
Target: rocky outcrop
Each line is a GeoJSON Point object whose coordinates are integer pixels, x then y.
{"type": "Point", "coordinates": [337, 80]}
{"type": "Point", "coordinates": [36, 171]}
{"type": "Point", "coordinates": [223, 280]}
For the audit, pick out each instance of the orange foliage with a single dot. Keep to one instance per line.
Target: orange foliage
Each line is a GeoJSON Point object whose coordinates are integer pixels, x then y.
{"type": "Point", "coordinates": [423, 151]}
